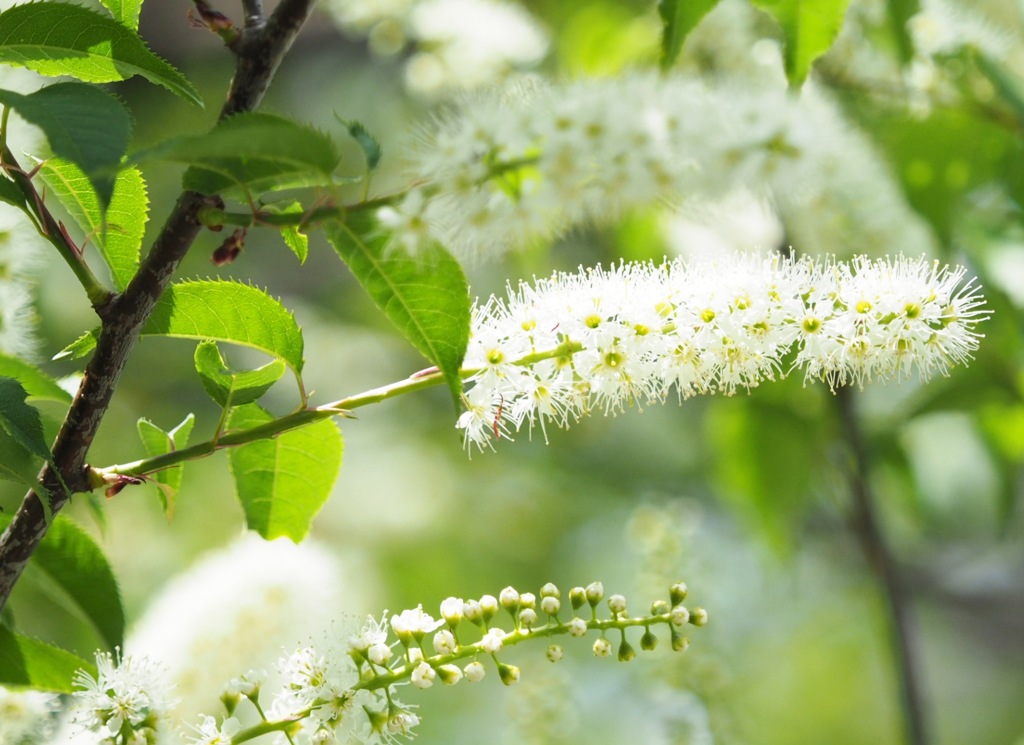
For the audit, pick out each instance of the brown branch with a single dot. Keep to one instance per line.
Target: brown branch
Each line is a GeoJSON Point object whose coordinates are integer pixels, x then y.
{"type": "Point", "coordinates": [259, 55]}
{"type": "Point", "coordinates": [865, 525]}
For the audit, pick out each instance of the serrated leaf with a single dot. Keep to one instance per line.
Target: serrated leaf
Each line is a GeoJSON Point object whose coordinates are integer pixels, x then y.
{"type": "Point", "coordinates": [229, 387]}
{"type": "Point", "coordinates": [251, 153]}
{"type": "Point", "coordinates": [75, 564]}
{"type": "Point", "coordinates": [294, 238]}
{"type": "Point", "coordinates": [157, 442]}
{"type": "Point", "coordinates": [425, 296]}
{"type": "Point", "coordinates": [367, 143]}
{"type": "Point", "coordinates": [21, 421]}
{"type": "Point", "coordinates": [125, 12]}
{"type": "Point", "coordinates": [31, 663]}
{"type": "Point", "coordinates": [120, 239]}
{"type": "Point", "coordinates": [82, 123]}
{"type": "Point", "coordinates": [36, 383]}
{"type": "Point", "coordinates": [809, 27]}
{"type": "Point", "coordinates": [220, 311]}
{"type": "Point", "coordinates": [283, 482]}
{"type": "Point", "coordinates": [55, 39]}
{"type": "Point", "coordinates": [16, 463]}
{"type": "Point", "coordinates": [679, 18]}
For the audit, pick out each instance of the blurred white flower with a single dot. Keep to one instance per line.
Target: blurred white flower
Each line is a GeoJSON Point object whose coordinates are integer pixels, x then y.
{"type": "Point", "coordinates": [26, 717]}
{"type": "Point", "coordinates": [236, 609]}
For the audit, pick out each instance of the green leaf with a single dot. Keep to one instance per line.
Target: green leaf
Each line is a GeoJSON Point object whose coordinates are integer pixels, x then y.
{"type": "Point", "coordinates": [679, 18]}
{"type": "Point", "coordinates": [367, 143]}
{"type": "Point", "coordinates": [75, 563]}
{"type": "Point", "coordinates": [120, 239]}
{"type": "Point", "coordinates": [229, 387]}
{"type": "Point", "coordinates": [901, 11]}
{"type": "Point", "coordinates": [809, 27]}
{"type": "Point", "coordinates": [219, 311]}
{"type": "Point", "coordinates": [425, 296]}
{"type": "Point", "coordinates": [251, 153]}
{"type": "Point", "coordinates": [11, 194]}
{"type": "Point", "coordinates": [158, 442]}
{"type": "Point", "coordinates": [32, 663]}
{"type": "Point", "coordinates": [16, 463]}
{"type": "Point", "coordinates": [56, 38]}
{"type": "Point", "coordinates": [36, 383]}
{"type": "Point", "coordinates": [125, 12]}
{"type": "Point", "coordinates": [21, 421]}
{"type": "Point", "coordinates": [82, 123]}
{"type": "Point", "coordinates": [283, 482]}
{"type": "Point", "coordinates": [293, 237]}
{"type": "Point", "coordinates": [228, 312]}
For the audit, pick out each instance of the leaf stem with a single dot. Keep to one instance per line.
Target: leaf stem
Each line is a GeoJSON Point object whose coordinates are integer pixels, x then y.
{"type": "Point", "coordinates": [865, 525]}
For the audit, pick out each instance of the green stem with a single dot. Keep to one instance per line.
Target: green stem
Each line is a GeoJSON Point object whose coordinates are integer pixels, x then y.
{"type": "Point", "coordinates": [50, 228]}
{"type": "Point", "coordinates": [266, 727]}
{"type": "Point", "coordinates": [303, 417]}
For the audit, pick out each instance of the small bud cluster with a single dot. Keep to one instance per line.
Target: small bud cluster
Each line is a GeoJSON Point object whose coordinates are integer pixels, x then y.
{"type": "Point", "coordinates": [330, 694]}
{"type": "Point", "coordinates": [620, 338]}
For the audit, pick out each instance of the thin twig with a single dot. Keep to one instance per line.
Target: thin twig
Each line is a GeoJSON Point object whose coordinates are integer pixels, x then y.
{"type": "Point", "coordinates": [865, 525]}
{"type": "Point", "coordinates": [258, 59]}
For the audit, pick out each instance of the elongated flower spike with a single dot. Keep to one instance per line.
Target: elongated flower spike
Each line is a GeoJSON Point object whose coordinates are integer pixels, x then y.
{"type": "Point", "coordinates": [350, 690]}
{"type": "Point", "coordinates": [559, 348]}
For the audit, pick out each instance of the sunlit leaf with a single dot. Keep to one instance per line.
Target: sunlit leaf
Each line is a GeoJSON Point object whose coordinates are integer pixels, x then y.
{"type": "Point", "coordinates": [31, 663]}
{"type": "Point", "coordinates": [293, 237]}
{"type": "Point", "coordinates": [425, 296]}
{"type": "Point", "coordinates": [809, 28]}
{"type": "Point", "coordinates": [83, 125]}
{"type": "Point", "coordinates": [125, 12]}
{"type": "Point", "coordinates": [158, 442]}
{"type": "Point", "coordinates": [55, 39]}
{"type": "Point", "coordinates": [120, 240]}
{"type": "Point", "coordinates": [283, 482]}
{"type": "Point", "coordinates": [233, 387]}
{"type": "Point", "coordinates": [36, 383]}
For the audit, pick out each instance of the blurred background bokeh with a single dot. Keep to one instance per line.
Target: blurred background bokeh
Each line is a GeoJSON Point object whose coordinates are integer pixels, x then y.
{"type": "Point", "coordinates": [744, 498]}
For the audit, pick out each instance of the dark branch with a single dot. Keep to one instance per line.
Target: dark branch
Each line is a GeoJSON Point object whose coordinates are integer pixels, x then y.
{"type": "Point", "coordinates": [254, 15]}
{"type": "Point", "coordinates": [259, 55]}
{"type": "Point", "coordinates": [865, 525]}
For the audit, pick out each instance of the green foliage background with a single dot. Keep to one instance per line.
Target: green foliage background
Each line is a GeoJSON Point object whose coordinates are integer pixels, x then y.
{"type": "Point", "coordinates": [743, 497]}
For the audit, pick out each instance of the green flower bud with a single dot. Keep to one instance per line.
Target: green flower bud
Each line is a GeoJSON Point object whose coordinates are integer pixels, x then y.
{"type": "Point", "coordinates": [509, 674]}
{"type": "Point", "coordinates": [577, 596]}
{"type": "Point", "coordinates": [550, 591]}
{"type": "Point", "coordinates": [698, 617]}
{"type": "Point", "coordinates": [659, 608]}
{"type": "Point", "coordinates": [626, 651]}
{"type": "Point", "coordinates": [677, 593]}
{"type": "Point", "coordinates": [595, 593]}
{"type": "Point", "coordinates": [554, 652]}
{"type": "Point", "coordinates": [648, 641]}
{"type": "Point", "coordinates": [617, 604]}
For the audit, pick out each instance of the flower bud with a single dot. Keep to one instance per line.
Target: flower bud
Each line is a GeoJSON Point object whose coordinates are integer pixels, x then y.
{"type": "Point", "coordinates": [602, 647]}
{"type": "Point", "coordinates": [444, 642]}
{"type": "Point", "coordinates": [230, 698]}
{"type": "Point", "coordinates": [492, 641]}
{"type": "Point", "coordinates": [659, 607]}
{"type": "Point", "coordinates": [550, 605]}
{"type": "Point", "coordinates": [550, 590]}
{"type": "Point", "coordinates": [577, 627]}
{"type": "Point", "coordinates": [474, 671]}
{"type": "Point", "coordinates": [488, 607]}
{"type": "Point", "coordinates": [617, 604]}
{"type": "Point", "coordinates": [554, 652]}
{"type": "Point", "coordinates": [452, 610]}
{"type": "Point", "coordinates": [509, 674]}
{"type": "Point", "coordinates": [379, 654]}
{"type": "Point", "coordinates": [679, 642]}
{"type": "Point", "coordinates": [577, 596]}
{"type": "Point", "coordinates": [699, 617]}
{"type": "Point", "coordinates": [449, 674]}
{"type": "Point", "coordinates": [679, 615]}
{"type": "Point", "coordinates": [677, 593]}
{"type": "Point", "coordinates": [648, 641]}
{"type": "Point", "coordinates": [626, 651]}
{"type": "Point", "coordinates": [595, 593]}
{"type": "Point", "coordinates": [509, 598]}
{"type": "Point", "coordinates": [528, 600]}
{"type": "Point", "coordinates": [527, 617]}
{"type": "Point", "coordinates": [423, 676]}
{"type": "Point", "coordinates": [473, 613]}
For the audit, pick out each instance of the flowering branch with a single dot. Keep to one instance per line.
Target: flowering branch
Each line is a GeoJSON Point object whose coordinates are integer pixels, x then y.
{"type": "Point", "coordinates": [327, 691]}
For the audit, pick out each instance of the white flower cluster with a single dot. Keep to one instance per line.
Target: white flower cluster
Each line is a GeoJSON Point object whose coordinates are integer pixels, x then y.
{"type": "Point", "coordinates": [127, 703]}
{"type": "Point", "coordinates": [461, 43]}
{"type": "Point", "coordinates": [536, 159]}
{"type": "Point", "coordinates": [562, 347]}
{"type": "Point", "coordinates": [26, 717]}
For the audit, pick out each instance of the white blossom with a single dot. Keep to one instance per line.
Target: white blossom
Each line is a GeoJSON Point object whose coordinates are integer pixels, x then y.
{"type": "Point", "coordinates": [492, 640]}
{"type": "Point", "coordinates": [127, 692]}
{"type": "Point", "coordinates": [413, 624]}
{"type": "Point", "coordinates": [626, 337]}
